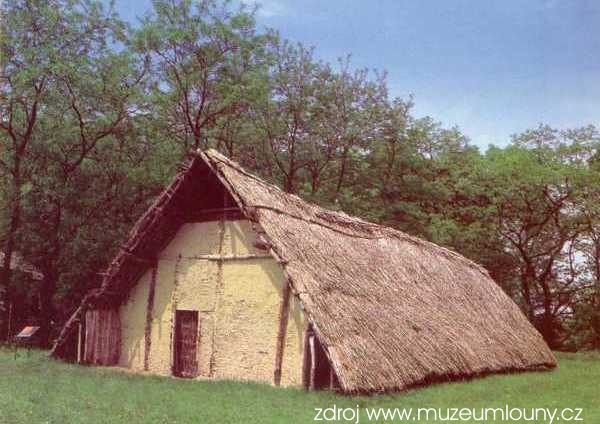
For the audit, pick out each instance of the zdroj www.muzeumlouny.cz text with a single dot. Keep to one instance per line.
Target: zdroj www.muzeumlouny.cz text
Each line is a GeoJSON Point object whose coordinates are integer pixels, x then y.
{"type": "Point", "coordinates": [438, 415]}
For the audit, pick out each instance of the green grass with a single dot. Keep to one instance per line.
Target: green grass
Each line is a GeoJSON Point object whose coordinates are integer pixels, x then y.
{"type": "Point", "coordinates": [36, 389]}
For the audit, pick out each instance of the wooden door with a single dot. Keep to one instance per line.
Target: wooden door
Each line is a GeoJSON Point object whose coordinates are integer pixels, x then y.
{"type": "Point", "coordinates": [102, 337]}
{"type": "Point", "coordinates": [185, 344]}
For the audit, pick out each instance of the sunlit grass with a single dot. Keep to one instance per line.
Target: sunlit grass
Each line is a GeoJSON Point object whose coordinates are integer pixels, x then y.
{"type": "Point", "coordinates": [35, 389]}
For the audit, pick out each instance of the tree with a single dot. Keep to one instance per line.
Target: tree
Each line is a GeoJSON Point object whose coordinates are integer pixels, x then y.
{"type": "Point", "coordinates": [288, 115]}
{"type": "Point", "coordinates": [25, 66]}
{"type": "Point", "coordinates": [67, 91]}
{"type": "Point", "coordinates": [535, 186]}
{"type": "Point", "coordinates": [205, 59]}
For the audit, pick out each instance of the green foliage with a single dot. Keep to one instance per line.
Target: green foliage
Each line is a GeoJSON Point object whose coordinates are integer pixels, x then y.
{"type": "Point", "coordinates": [205, 63]}
{"type": "Point", "coordinates": [538, 188]}
{"type": "Point", "coordinates": [69, 133]}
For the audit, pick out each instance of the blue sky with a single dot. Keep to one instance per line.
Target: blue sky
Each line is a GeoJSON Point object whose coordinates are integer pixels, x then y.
{"type": "Point", "coordinates": [494, 68]}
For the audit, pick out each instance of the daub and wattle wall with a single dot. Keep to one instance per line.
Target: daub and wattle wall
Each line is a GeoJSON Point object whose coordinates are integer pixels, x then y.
{"type": "Point", "coordinates": [213, 268]}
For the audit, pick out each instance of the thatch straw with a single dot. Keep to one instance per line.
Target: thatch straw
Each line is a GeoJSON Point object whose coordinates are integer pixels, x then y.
{"type": "Point", "coordinates": [391, 310]}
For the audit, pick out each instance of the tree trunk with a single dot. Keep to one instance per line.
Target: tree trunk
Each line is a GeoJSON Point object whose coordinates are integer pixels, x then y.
{"type": "Point", "coordinates": [314, 182]}
{"type": "Point", "coordinates": [290, 183]}
{"type": "Point", "coordinates": [548, 328]}
{"type": "Point", "coordinates": [49, 283]}
{"type": "Point", "coordinates": [9, 248]}
{"type": "Point", "coordinates": [341, 175]}
{"type": "Point", "coordinates": [47, 312]}
{"type": "Point", "coordinates": [526, 293]}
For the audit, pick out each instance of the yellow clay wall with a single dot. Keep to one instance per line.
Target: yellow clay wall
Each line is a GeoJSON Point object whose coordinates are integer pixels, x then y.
{"type": "Point", "coordinates": [133, 321]}
{"type": "Point", "coordinates": [237, 300]}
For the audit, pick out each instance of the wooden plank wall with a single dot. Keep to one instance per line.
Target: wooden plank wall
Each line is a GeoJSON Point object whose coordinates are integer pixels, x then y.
{"type": "Point", "coordinates": [102, 337]}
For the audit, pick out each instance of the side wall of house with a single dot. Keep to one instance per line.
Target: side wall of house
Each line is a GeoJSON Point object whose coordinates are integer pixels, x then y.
{"type": "Point", "coordinates": [133, 322]}
{"type": "Point", "coordinates": [214, 269]}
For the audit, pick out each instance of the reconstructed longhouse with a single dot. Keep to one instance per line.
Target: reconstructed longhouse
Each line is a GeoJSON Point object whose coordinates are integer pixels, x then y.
{"type": "Point", "coordinates": [228, 277]}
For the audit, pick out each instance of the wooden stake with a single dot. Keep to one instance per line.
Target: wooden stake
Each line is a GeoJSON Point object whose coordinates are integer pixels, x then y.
{"type": "Point", "coordinates": [149, 315]}
{"type": "Point", "coordinates": [9, 330]}
{"type": "Point", "coordinates": [79, 341]}
{"type": "Point", "coordinates": [283, 321]}
{"type": "Point", "coordinates": [313, 367]}
{"type": "Point", "coordinates": [218, 292]}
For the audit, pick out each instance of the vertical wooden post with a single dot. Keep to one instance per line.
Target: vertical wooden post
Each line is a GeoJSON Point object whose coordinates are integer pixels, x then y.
{"type": "Point", "coordinates": [149, 315]}
{"type": "Point", "coordinates": [218, 293]}
{"type": "Point", "coordinates": [9, 330]}
{"type": "Point", "coordinates": [306, 361]}
{"type": "Point", "coordinates": [313, 367]}
{"type": "Point", "coordinates": [89, 327]}
{"type": "Point", "coordinates": [283, 321]}
{"type": "Point", "coordinates": [174, 293]}
{"type": "Point", "coordinates": [79, 340]}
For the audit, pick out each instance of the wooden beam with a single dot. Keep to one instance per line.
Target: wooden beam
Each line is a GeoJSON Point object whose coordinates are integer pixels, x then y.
{"type": "Point", "coordinates": [79, 340]}
{"type": "Point", "coordinates": [230, 257]}
{"type": "Point", "coordinates": [149, 315]}
{"type": "Point", "coordinates": [219, 210]}
{"type": "Point", "coordinates": [283, 321]}
{"type": "Point", "coordinates": [218, 288]}
{"type": "Point", "coordinates": [136, 258]}
{"type": "Point", "coordinates": [173, 315]}
{"type": "Point", "coordinates": [313, 367]}
{"type": "Point", "coordinates": [306, 359]}
{"type": "Point", "coordinates": [89, 328]}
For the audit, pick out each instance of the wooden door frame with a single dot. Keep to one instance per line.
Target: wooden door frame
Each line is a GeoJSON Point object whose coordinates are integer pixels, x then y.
{"type": "Point", "coordinates": [312, 344]}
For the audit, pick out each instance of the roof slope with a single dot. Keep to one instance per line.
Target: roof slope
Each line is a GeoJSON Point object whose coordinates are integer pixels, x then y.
{"type": "Point", "coordinates": [391, 310]}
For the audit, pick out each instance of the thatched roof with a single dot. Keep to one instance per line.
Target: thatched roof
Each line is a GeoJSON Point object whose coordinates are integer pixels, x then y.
{"type": "Point", "coordinates": [391, 310]}
{"type": "Point", "coordinates": [18, 263]}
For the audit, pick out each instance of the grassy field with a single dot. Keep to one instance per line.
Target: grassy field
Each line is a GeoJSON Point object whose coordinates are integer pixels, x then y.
{"type": "Point", "coordinates": [35, 389]}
